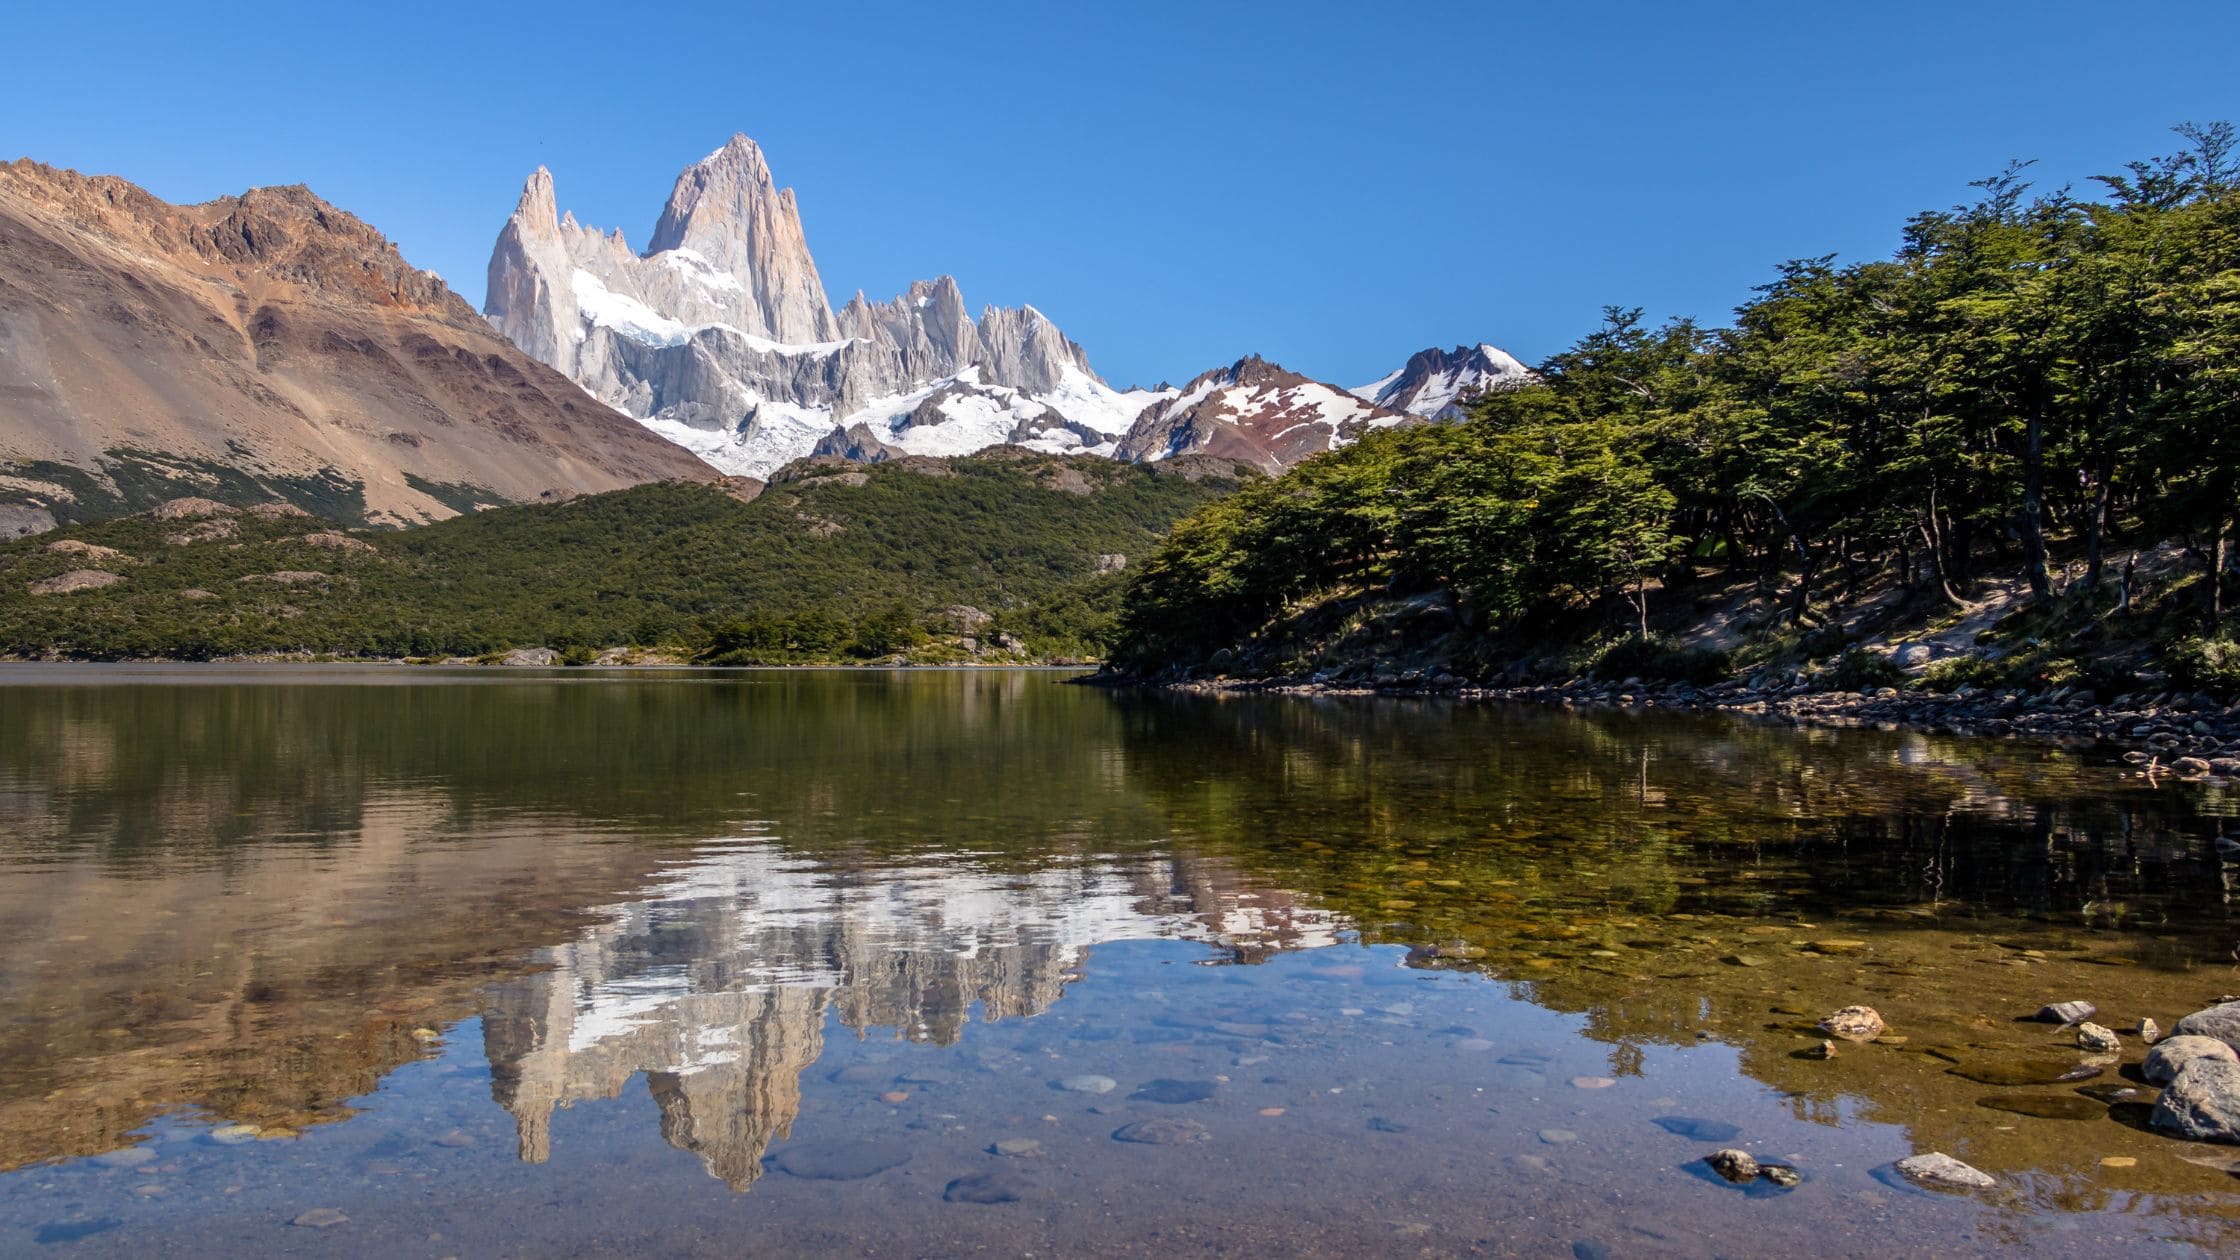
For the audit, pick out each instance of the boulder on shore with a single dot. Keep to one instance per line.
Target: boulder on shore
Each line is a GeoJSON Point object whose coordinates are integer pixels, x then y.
{"type": "Point", "coordinates": [2171, 1055]}
{"type": "Point", "coordinates": [2221, 1022]}
{"type": "Point", "coordinates": [2202, 1103]}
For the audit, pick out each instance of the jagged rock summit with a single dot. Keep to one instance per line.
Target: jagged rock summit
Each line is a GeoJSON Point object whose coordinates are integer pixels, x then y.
{"type": "Point", "coordinates": [720, 337]}
{"type": "Point", "coordinates": [261, 346]}
{"type": "Point", "coordinates": [1439, 384]}
{"type": "Point", "coordinates": [1257, 411]}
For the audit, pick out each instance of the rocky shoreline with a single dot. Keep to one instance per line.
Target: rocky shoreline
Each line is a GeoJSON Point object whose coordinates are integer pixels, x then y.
{"type": "Point", "coordinates": [2189, 735]}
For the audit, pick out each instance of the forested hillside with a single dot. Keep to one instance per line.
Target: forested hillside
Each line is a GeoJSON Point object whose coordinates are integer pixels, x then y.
{"type": "Point", "coordinates": [830, 562]}
{"type": "Point", "coordinates": [2038, 385]}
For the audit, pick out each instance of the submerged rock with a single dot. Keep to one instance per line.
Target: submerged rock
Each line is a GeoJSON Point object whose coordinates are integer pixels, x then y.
{"type": "Point", "coordinates": [1698, 1129]}
{"type": "Point", "coordinates": [2173, 1053]}
{"type": "Point", "coordinates": [1002, 1185]}
{"type": "Point", "coordinates": [2046, 1106]}
{"type": "Point", "coordinates": [1088, 1084]}
{"type": "Point", "coordinates": [1166, 1131]}
{"type": "Point", "coordinates": [1165, 1090]}
{"type": "Point", "coordinates": [2066, 1013]}
{"type": "Point", "coordinates": [1935, 1168]}
{"type": "Point", "coordinates": [2032, 1071]}
{"type": "Point", "coordinates": [2202, 1102]}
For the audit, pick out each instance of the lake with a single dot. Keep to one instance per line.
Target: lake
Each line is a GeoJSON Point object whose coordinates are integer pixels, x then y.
{"type": "Point", "coordinates": [331, 960]}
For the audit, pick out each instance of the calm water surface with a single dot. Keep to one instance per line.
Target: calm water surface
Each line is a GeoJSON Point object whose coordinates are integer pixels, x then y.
{"type": "Point", "coordinates": [334, 961]}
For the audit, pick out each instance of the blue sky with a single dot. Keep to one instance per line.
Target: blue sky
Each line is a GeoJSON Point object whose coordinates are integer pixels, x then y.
{"type": "Point", "coordinates": [1333, 185]}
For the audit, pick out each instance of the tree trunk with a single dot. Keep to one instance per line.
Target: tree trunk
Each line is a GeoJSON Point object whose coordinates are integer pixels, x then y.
{"type": "Point", "coordinates": [2103, 494]}
{"type": "Point", "coordinates": [2216, 573]}
{"type": "Point", "coordinates": [2033, 508]}
{"type": "Point", "coordinates": [1936, 564]}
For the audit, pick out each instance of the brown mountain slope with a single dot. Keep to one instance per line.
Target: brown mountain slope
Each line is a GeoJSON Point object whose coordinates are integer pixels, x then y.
{"type": "Point", "coordinates": [267, 345]}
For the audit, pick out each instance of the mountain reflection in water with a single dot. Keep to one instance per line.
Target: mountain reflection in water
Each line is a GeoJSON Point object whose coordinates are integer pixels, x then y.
{"type": "Point", "coordinates": [257, 897]}
{"type": "Point", "coordinates": [717, 985]}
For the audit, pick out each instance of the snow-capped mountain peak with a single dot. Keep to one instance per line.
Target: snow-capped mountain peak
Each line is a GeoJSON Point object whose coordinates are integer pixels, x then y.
{"type": "Point", "coordinates": [1257, 411]}
{"type": "Point", "coordinates": [1439, 384]}
{"type": "Point", "coordinates": [720, 337]}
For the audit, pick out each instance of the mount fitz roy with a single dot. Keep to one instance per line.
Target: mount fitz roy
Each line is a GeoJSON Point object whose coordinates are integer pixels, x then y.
{"type": "Point", "coordinates": [720, 337]}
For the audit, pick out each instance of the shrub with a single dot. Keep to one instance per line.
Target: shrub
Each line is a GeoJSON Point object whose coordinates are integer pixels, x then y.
{"type": "Point", "coordinates": [1865, 671]}
{"type": "Point", "coordinates": [1636, 657]}
{"type": "Point", "coordinates": [2197, 664]}
{"type": "Point", "coordinates": [1954, 672]}
{"type": "Point", "coordinates": [2105, 679]}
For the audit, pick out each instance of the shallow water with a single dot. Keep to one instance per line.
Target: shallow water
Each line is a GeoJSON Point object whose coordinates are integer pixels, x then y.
{"type": "Point", "coordinates": [487, 963]}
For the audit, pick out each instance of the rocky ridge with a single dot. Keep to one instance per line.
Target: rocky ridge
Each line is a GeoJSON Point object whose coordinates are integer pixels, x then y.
{"type": "Point", "coordinates": [265, 345]}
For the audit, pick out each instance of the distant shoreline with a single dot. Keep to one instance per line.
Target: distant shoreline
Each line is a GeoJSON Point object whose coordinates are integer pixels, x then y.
{"type": "Point", "coordinates": [2161, 734]}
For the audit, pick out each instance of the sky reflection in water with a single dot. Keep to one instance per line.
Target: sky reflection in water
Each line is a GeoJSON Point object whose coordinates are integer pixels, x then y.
{"type": "Point", "coordinates": [485, 964]}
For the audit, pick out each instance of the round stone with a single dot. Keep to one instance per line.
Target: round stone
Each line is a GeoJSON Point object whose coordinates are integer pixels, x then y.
{"type": "Point", "coordinates": [1002, 1185]}
{"type": "Point", "coordinates": [1164, 1090]}
{"type": "Point", "coordinates": [1165, 1131]}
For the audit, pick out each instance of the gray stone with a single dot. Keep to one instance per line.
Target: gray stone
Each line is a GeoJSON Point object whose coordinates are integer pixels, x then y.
{"type": "Point", "coordinates": [2149, 1032]}
{"type": "Point", "coordinates": [1165, 1131]}
{"type": "Point", "coordinates": [1016, 1148]}
{"type": "Point", "coordinates": [2202, 1102]}
{"type": "Point", "coordinates": [74, 581]}
{"type": "Point", "coordinates": [2221, 1022]}
{"type": "Point", "coordinates": [1939, 1169]}
{"type": "Point", "coordinates": [1001, 1185]}
{"type": "Point", "coordinates": [21, 520]}
{"type": "Point", "coordinates": [2067, 1012]}
{"type": "Point", "coordinates": [2091, 1036]}
{"type": "Point", "coordinates": [2171, 1054]}
{"type": "Point", "coordinates": [537, 657]}
{"type": "Point", "coordinates": [1088, 1084]}
{"type": "Point", "coordinates": [1172, 1091]}
{"type": "Point", "coordinates": [1854, 1023]}
{"type": "Point", "coordinates": [320, 1218]}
